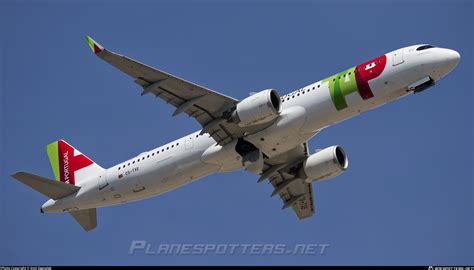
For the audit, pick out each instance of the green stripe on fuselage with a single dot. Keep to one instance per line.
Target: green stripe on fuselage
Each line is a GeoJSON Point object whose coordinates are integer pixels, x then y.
{"type": "Point", "coordinates": [341, 85]}
{"type": "Point", "coordinates": [348, 81]}
{"type": "Point", "coordinates": [52, 150]}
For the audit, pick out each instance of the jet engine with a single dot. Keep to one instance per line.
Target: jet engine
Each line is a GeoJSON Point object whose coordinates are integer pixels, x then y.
{"type": "Point", "coordinates": [324, 164]}
{"type": "Point", "coordinates": [258, 108]}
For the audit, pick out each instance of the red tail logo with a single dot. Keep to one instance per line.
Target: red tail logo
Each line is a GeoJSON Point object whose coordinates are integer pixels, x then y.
{"type": "Point", "coordinates": [69, 164]}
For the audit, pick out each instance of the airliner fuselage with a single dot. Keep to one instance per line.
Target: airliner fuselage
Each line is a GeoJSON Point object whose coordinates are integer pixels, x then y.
{"type": "Point", "coordinates": [304, 113]}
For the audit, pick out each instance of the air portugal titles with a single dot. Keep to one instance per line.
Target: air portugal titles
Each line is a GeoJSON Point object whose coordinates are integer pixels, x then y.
{"type": "Point", "coordinates": [355, 79]}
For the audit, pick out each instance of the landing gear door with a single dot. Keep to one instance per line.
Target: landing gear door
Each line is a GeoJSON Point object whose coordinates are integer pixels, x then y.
{"type": "Point", "coordinates": [397, 57]}
{"type": "Point", "coordinates": [255, 166]}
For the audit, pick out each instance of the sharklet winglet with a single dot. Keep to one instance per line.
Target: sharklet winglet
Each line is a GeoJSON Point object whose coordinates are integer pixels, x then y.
{"type": "Point", "coordinates": [95, 47]}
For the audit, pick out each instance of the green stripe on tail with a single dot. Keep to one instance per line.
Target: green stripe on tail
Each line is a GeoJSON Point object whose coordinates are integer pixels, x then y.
{"type": "Point", "coordinates": [53, 155]}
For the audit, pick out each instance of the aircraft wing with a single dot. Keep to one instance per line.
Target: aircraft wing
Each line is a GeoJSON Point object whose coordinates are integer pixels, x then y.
{"type": "Point", "coordinates": [293, 191]}
{"type": "Point", "coordinates": [203, 104]}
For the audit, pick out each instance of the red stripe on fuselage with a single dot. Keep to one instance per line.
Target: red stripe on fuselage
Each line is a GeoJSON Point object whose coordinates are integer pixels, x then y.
{"type": "Point", "coordinates": [363, 75]}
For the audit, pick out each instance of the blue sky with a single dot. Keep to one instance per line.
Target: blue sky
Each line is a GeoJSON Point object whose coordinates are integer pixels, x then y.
{"type": "Point", "coordinates": [405, 199]}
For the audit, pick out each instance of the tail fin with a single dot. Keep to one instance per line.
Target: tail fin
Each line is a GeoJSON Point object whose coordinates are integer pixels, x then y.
{"type": "Point", "coordinates": [69, 165]}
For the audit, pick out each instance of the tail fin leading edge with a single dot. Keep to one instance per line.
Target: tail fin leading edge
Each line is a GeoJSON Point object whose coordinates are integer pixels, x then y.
{"type": "Point", "coordinates": [69, 165]}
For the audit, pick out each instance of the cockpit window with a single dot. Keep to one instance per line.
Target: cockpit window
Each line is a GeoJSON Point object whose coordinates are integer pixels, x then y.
{"type": "Point", "coordinates": [424, 47]}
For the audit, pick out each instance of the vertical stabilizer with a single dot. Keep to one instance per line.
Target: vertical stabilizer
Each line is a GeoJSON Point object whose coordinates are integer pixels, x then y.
{"type": "Point", "coordinates": [69, 165]}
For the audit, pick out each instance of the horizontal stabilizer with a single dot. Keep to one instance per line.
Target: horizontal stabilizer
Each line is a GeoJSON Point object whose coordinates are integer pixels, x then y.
{"type": "Point", "coordinates": [52, 189]}
{"type": "Point", "coordinates": [86, 218]}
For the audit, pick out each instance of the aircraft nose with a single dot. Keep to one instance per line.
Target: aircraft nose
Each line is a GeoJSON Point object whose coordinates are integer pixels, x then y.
{"type": "Point", "coordinates": [452, 58]}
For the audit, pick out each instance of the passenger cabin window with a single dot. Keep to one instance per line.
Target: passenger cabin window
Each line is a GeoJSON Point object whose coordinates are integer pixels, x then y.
{"type": "Point", "coordinates": [424, 47]}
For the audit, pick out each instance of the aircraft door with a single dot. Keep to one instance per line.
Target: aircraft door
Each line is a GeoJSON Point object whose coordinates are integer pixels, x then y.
{"type": "Point", "coordinates": [188, 142]}
{"type": "Point", "coordinates": [397, 57]}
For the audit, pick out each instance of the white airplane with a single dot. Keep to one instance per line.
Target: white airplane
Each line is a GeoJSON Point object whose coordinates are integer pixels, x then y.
{"type": "Point", "coordinates": [264, 133]}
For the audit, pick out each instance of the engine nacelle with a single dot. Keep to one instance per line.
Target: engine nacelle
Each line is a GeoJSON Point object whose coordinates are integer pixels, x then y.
{"type": "Point", "coordinates": [258, 108]}
{"type": "Point", "coordinates": [325, 164]}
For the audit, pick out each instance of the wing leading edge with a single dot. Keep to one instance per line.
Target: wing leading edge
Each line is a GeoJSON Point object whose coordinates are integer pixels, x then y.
{"type": "Point", "coordinates": [206, 106]}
